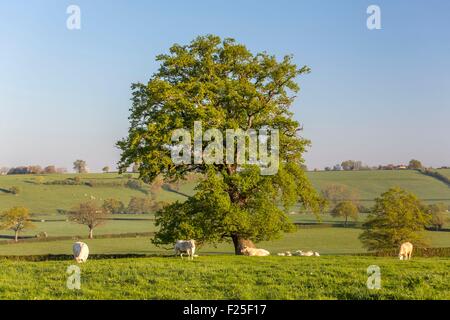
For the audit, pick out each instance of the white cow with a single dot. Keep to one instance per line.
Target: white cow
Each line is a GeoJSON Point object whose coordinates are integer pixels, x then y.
{"type": "Point", "coordinates": [185, 246]}
{"type": "Point", "coordinates": [254, 252]}
{"type": "Point", "coordinates": [80, 251]}
{"type": "Point", "coordinates": [405, 251]}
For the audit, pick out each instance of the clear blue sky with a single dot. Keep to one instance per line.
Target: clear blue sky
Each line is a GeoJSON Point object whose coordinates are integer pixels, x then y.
{"type": "Point", "coordinates": [380, 96]}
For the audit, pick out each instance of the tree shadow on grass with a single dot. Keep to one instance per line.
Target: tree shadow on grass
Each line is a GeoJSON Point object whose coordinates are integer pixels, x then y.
{"type": "Point", "coordinates": [169, 189]}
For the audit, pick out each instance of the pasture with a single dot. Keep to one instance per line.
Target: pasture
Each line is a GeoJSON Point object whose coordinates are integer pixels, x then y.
{"type": "Point", "coordinates": [216, 273]}
{"type": "Point", "coordinates": [47, 199]}
{"type": "Point", "coordinates": [228, 277]}
{"type": "Point", "coordinates": [44, 200]}
{"type": "Point", "coordinates": [329, 241]}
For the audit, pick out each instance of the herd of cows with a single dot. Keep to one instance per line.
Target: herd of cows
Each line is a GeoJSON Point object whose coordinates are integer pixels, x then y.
{"type": "Point", "coordinates": [81, 251]}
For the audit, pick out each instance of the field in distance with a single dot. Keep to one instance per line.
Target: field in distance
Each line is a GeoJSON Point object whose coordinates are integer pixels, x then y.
{"type": "Point", "coordinates": [44, 199]}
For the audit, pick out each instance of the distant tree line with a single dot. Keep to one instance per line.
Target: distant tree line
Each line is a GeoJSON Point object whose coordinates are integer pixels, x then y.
{"type": "Point", "coordinates": [353, 165]}
{"type": "Point", "coordinates": [34, 169]}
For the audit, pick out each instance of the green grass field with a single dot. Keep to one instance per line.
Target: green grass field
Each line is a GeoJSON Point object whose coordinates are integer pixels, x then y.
{"type": "Point", "coordinates": [229, 277]}
{"type": "Point", "coordinates": [47, 199]}
{"type": "Point", "coordinates": [324, 240]}
{"type": "Point", "coordinates": [44, 200]}
{"type": "Point", "coordinates": [370, 184]}
{"type": "Point", "coordinates": [216, 273]}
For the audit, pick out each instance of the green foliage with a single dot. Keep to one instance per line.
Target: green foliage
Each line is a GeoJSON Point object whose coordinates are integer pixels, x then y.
{"type": "Point", "coordinates": [415, 164]}
{"type": "Point", "coordinates": [80, 166]}
{"type": "Point", "coordinates": [14, 190]}
{"type": "Point", "coordinates": [140, 205]}
{"type": "Point", "coordinates": [16, 219]}
{"type": "Point", "coordinates": [336, 192]}
{"type": "Point", "coordinates": [225, 86]}
{"type": "Point", "coordinates": [113, 206]}
{"type": "Point", "coordinates": [397, 217]}
{"type": "Point", "coordinates": [134, 184]}
{"type": "Point", "coordinates": [438, 215]}
{"type": "Point", "coordinates": [211, 215]}
{"type": "Point", "coordinates": [346, 209]}
{"type": "Point", "coordinates": [39, 180]}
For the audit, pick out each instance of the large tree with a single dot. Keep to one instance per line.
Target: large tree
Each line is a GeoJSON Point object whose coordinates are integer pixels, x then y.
{"type": "Point", "coordinates": [223, 85]}
{"type": "Point", "coordinates": [396, 217]}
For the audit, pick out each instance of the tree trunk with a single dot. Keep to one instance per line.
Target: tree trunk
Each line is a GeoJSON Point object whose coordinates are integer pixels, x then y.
{"type": "Point", "coordinates": [346, 218]}
{"type": "Point", "coordinates": [91, 233]}
{"type": "Point", "coordinates": [239, 243]}
{"type": "Point", "coordinates": [16, 236]}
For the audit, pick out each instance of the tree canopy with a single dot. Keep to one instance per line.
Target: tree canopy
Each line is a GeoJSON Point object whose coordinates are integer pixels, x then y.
{"type": "Point", "coordinates": [223, 85]}
{"type": "Point", "coordinates": [16, 219]}
{"type": "Point", "coordinates": [397, 216]}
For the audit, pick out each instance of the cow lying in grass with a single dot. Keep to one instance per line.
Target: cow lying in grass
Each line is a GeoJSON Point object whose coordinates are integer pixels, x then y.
{"type": "Point", "coordinates": [185, 246]}
{"type": "Point", "coordinates": [246, 251]}
{"type": "Point", "coordinates": [405, 251]}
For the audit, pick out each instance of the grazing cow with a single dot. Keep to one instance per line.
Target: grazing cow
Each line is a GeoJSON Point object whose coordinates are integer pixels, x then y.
{"type": "Point", "coordinates": [80, 252]}
{"type": "Point", "coordinates": [405, 251]}
{"type": "Point", "coordinates": [254, 252]}
{"type": "Point", "coordinates": [316, 254]}
{"type": "Point", "coordinates": [185, 246]}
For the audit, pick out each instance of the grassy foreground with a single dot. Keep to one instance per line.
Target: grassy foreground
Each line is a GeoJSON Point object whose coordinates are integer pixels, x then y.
{"type": "Point", "coordinates": [229, 277]}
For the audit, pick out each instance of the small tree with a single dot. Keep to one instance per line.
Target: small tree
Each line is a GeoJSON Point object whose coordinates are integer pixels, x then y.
{"type": "Point", "coordinates": [113, 206]}
{"type": "Point", "coordinates": [16, 219]}
{"type": "Point", "coordinates": [39, 180]}
{"type": "Point", "coordinates": [438, 217]}
{"type": "Point", "coordinates": [105, 169]}
{"type": "Point", "coordinates": [80, 166]}
{"type": "Point", "coordinates": [345, 209]}
{"type": "Point", "coordinates": [336, 193]}
{"type": "Point", "coordinates": [415, 164]}
{"type": "Point", "coordinates": [14, 190]}
{"type": "Point", "coordinates": [140, 205]}
{"type": "Point", "coordinates": [89, 214]}
{"type": "Point", "coordinates": [397, 216]}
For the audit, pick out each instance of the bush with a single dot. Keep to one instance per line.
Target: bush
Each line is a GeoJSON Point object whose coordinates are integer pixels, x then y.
{"type": "Point", "coordinates": [140, 206]}
{"type": "Point", "coordinates": [113, 206]}
{"type": "Point", "coordinates": [14, 190]}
